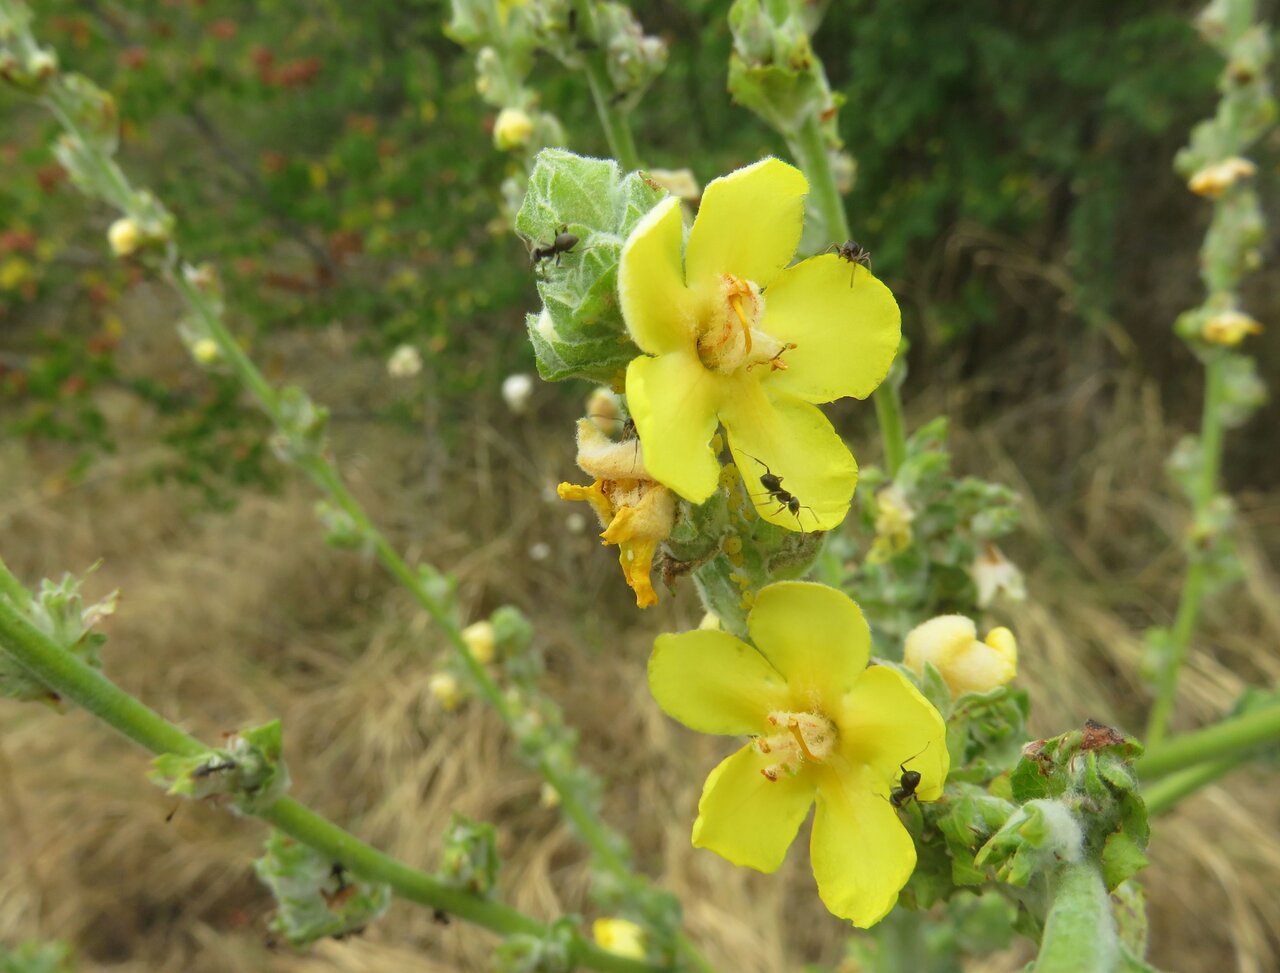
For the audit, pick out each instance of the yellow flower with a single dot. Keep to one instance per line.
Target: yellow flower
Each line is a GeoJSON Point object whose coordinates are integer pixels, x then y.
{"type": "Point", "coordinates": [732, 335]}
{"type": "Point", "coordinates": [894, 517]}
{"type": "Point", "coordinates": [619, 936]}
{"type": "Point", "coordinates": [826, 728]}
{"type": "Point", "coordinates": [636, 512]}
{"type": "Point", "coordinates": [951, 643]}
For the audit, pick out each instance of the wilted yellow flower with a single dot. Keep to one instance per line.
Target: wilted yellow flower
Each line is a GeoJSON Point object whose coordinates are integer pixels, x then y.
{"type": "Point", "coordinates": [826, 727]}
{"type": "Point", "coordinates": [636, 511]}
{"type": "Point", "coordinates": [1229, 328]}
{"type": "Point", "coordinates": [733, 336]}
{"type": "Point", "coordinates": [994, 574]}
{"type": "Point", "coordinates": [951, 643]}
{"type": "Point", "coordinates": [619, 936]}
{"type": "Point", "coordinates": [1213, 180]}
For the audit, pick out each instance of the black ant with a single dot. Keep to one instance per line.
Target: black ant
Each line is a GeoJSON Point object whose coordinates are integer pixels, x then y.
{"type": "Point", "coordinates": [854, 252]}
{"type": "Point", "coordinates": [562, 244]}
{"type": "Point", "coordinates": [441, 917]}
{"type": "Point", "coordinates": [216, 765]}
{"type": "Point", "coordinates": [774, 489]}
{"type": "Point", "coordinates": [905, 792]}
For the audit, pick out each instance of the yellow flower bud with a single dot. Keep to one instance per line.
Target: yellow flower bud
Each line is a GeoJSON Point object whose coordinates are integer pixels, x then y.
{"type": "Point", "coordinates": [512, 129]}
{"type": "Point", "coordinates": [1229, 328]}
{"type": "Point", "coordinates": [619, 936]}
{"type": "Point", "coordinates": [205, 351]}
{"type": "Point", "coordinates": [481, 641]}
{"type": "Point", "coordinates": [124, 236]}
{"type": "Point", "coordinates": [678, 182]}
{"type": "Point", "coordinates": [548, 796]}
{"type": "Point", "coordinates": [710, 622]}
{"type": "Point", "coordinates": [1214, 180]}
{"type": "Point", "coordinates": [951, 643]}
{"type": "Point", "coordinates": [444, 687]}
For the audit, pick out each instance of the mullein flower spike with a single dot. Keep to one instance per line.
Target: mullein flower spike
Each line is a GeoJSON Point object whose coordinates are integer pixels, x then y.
{"type": "Point", "coordinates": [732, 335]}
{"type": "Point", "coordinates": [826, 727]}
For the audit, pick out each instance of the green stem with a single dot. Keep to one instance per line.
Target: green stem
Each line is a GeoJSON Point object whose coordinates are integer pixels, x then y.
{"type": "Point", "coordinates": [1231, 737]}
{"type": "Point", "coordinates": [617, 130]}
{"type": "Point", "coordinates": [1166, 793]}
{"type": "Point", "coordinates": [1195, 584]}
{"type": "Point", "coordinates": [1079, 931]}
{"type": "Point", "coordinates": [597, 836]}
{"type": "Point", "coordinates": [810, 149]}
{"type": "Point", "coordinates": [12, 588]}
{"type": "Point", "coordinates": [73, 679]}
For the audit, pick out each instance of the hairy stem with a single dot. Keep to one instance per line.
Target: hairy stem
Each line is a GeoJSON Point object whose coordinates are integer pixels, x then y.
{"type": "Point", "coordinates": [617, 128]}
{"type": "Point", "coordinates": [1232, 737]}
{"type": "Point", "coordinates": [1195, 583]}
{"type": "Point", "coordinates": [810, 150]}
{"type": "Point", "coordinates": [1079, 931]}
{"type": "Point", "coordinates": [1166, 793]}
{"type": "Point", "coordinates": [73, 679]}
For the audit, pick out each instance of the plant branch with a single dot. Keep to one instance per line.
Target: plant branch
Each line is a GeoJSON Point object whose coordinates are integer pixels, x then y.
{"type": "Point", "coordinates": [1165, 794]}
{"type": "Point", "coordinates": [810, 150]}
{"type": "Point", "coordinates": [1230, 738]}
{"type": "Point", "coordinates": [1079, 931]}
{"type": "Point", "coordinates": [73, 679]}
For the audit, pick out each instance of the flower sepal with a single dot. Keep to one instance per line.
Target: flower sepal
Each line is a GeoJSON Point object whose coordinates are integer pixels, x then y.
{"type": "Point", "coordinates": [249, 771]}
{"type": "Point", "coordinates": [580, 331]}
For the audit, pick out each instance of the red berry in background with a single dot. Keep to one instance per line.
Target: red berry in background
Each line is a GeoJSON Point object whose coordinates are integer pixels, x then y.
{"type": "Point", "coordinates": [224, 30]}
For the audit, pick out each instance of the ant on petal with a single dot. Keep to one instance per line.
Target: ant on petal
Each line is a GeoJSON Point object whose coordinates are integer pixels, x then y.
{"type": "Point", "coordinates": [854, 252]}
{"type": "Point", "coordinates": [774, 490]}
{"type": "Point", "coordinates": [905, 792]}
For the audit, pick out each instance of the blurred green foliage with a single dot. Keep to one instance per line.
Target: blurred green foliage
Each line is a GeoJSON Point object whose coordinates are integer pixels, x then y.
{"type": "Point", "coordinates": [335, 162]}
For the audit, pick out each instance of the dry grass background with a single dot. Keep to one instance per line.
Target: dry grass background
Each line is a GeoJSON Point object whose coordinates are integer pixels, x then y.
{"type": "Point", "coordinates": [228, 620]}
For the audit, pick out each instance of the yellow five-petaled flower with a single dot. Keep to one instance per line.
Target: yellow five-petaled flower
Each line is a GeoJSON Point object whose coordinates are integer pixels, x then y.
{"type": "Point", "coordinates": [826, 727]}
{"type": "Point", "coordinates": [732, 335]}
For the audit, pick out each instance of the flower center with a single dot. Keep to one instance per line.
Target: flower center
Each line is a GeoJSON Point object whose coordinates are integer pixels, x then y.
{"type": "Point", "coordinates": [730, 338]}
{"type": "Point", "coordinates": [800, 737]}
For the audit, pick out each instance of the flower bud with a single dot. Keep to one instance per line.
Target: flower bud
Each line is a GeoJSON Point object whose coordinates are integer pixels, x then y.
{"type": "Point", "coordinates": [678, 182]}
{"type": "Point", "coordinates": [1229, 328]}
{"type": "Point", "coordinates": [512, 130]}
{"type": "Point", "coordinates": [481, 641]}
{"type": "Point", "coordinates": [994, 574]}
{"type": "Point", "coordinates": [405, 362]}
{"type": "Point", "coordinates": [444, 687]}
{"type": "Point", "coordinates": [619, 936]}
{"type": "Point", "coordinates": [124, 236]}
{"type": "Point", "coordinates": [517, 390]}
{"type": "Point", "coordinates": [205, 351]}
{"type": "Point", "coordinates": [951, 643]}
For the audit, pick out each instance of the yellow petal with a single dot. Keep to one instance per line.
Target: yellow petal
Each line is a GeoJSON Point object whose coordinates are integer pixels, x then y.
{"type": "Point", "coordinates": [748, 224]}
{"type": "Point", "coordinates": [636, 559]}
{"type": "Point", "coordinates": [714, 683]}
{"type": "Point", "coordinates": [815, 636]}
{"type": "Point", "coordinates": [862, 855]}
{"type": "Point", "coordinates": [747, 818]}
{"type": "Point", "coordinates": [593, 494]}
{"type": "Point", "coordinates": [673, 400]}
{"type": "Point", "coordinates": [845, 335]}
{"type": "Point", "coordinates": [887, 725]}
{"type": "Point", "coordinates": [655, 304]}
{"type": "Point", "coordinates": [791, 439]}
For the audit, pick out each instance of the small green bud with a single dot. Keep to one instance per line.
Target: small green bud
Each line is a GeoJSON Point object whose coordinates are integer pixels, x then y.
{"type": "Point", "coordinates": [249, 771]}
{"type": "Point", "coordinates": [470, 859]}
{"type": "Point", "coordinates": [304, 427]}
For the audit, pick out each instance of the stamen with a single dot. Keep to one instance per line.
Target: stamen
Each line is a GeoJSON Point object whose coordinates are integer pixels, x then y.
{"type": "Point", "coordinates": [736, 304]}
